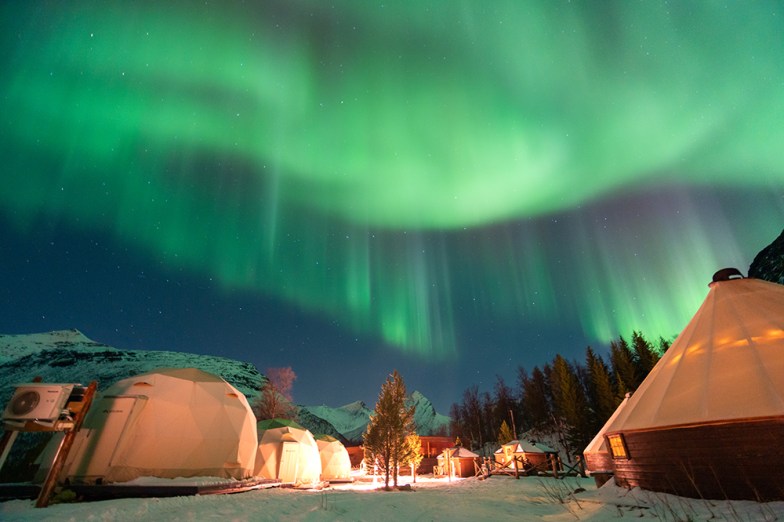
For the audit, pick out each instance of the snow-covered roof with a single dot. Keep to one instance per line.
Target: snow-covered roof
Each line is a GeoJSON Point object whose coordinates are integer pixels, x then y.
{"type": "Point", "coordinates": [459, 452]}
{"type": "Point", "coordinates": [525, 446]}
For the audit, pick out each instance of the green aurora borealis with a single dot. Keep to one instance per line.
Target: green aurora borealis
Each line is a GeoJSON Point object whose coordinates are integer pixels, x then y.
{"type": "Point", "coordinates": [405, 167]}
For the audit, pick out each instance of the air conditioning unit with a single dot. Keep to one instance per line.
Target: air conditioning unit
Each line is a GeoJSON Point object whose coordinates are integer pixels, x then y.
{"type": "Point", "coordinates": [37, 401]}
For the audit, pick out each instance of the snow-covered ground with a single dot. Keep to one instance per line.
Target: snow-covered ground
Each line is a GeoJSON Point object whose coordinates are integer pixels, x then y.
{"type": "Point", "coordinates": [498, 498]}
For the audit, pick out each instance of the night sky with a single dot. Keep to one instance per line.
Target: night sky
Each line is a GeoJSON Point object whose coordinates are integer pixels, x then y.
{"type": "Point", "coordinates": [447, 188]}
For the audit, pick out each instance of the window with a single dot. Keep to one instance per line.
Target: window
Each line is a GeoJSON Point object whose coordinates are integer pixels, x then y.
{"type": "Point", "coordinates": [618, 446]}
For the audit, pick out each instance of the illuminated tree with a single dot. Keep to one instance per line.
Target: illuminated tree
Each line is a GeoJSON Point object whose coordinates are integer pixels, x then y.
{"type": "Point", "coordinates": [390, 424]}
{"type": "Point", "coordinates": [412, 453]}
{"type": "Point", "coordinates": [505, 434]}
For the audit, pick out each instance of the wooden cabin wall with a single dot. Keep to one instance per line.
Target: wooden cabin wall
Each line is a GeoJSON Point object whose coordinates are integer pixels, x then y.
{"type": "Point", "coordinates": [738, 460]}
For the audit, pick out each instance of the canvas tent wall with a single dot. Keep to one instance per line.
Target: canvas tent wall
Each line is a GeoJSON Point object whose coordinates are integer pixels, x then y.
{"type": "Point", "coordinates": [335, 462]}
{"type": "Point", "coordinates": [708, 421]}
{"type": "Point", "coordinates": [287, 452]}
{"type": "Point", "coordinates": [168, 423]}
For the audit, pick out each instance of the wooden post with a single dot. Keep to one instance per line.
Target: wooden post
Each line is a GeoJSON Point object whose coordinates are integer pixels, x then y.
{"type": "Point", "coordinates": [514, 460]}
{"type": "Point", "coordinates": [554, 465]}
{"type": "Point", "coordinates": [5, 445]}
{"type": "Point", "coordinates": [581, 465]}
{"type": "Point", "coordinates": [65, 447]}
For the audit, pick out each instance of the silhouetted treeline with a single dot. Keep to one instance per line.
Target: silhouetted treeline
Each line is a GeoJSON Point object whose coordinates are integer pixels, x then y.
{"type": "Point", "coordinates": [571, 399]}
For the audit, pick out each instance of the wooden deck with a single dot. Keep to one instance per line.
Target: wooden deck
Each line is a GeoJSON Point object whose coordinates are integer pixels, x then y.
{"type": "Point", "coordinates": [119, 490]}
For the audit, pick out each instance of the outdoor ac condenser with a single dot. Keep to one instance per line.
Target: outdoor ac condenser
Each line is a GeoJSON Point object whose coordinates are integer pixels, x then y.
{"type": "Point", "coordinates": [37, 401]}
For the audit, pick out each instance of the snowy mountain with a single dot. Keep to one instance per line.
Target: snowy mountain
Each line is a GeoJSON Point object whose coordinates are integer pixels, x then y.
{"type": "Point", "coordinates": [349, 420]}
{"type": "Point", "coordinates": [352, 419]}
{"type": "Point", "coordinates": [427, 420]}
{"type": "Point", "coordinates": [768, 264]}
{"type": "Point", "coordinates": [69, 356]}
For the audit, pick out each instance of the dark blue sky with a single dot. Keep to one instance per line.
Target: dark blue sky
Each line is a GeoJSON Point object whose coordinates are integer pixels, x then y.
{"type": "Point", "coordinates": [447, 189]}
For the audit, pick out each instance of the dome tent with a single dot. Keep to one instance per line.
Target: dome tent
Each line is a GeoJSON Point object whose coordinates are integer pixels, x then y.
{"type": "Point", "coordinates": [335, 462]}
{"type": "Point", "coordinates": [168, 423]}
{"type": "Point", "coordinates": [708, 420]}
{"type": "Point", "coordinates": [287, 452]}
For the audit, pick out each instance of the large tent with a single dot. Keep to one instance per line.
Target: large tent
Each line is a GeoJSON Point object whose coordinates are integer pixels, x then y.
{"type": "Point", "coordinates": [708, 421]}
{"type": "Point", "coordinates": [287, 452]}
{"type": "Point", "coordinates": [335, 462]}
{"type": "Point", "coordinates": [169, 423]}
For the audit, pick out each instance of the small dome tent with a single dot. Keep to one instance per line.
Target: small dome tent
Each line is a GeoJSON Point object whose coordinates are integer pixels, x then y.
{"type": "Point", "coordinates": [169, 423]}
{"type": "Point", "coordinates": [708, 420]}
{"type": "Point", "coordinates": [335, 462]}
{"type": "Point", "coordinates": [287, 452]}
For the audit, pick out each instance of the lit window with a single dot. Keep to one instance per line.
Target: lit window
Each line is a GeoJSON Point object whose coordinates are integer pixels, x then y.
{"type": "Point", "coordinates": [618, 446]}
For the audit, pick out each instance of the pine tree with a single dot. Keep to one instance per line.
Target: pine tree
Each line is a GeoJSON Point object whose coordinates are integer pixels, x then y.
{"type": "Point", "coordinates": [600, 390]}
{"type": "Point", "coordinates": [664, 345]}
{"type": "Point", "coordinates": [569, 404]}
{"type": "Point", "coordinates": [412, 453]}
{"type": "Point", "coordinates": [535, 399]}
{"type": "Point", "coordinates": [623, 367]}
{"type": "Point", "coordinates": [390, 424]}
{"type": "Point", "coordinates": [645, 354]}
{"type": "Point", "coordinates": [504, 434]}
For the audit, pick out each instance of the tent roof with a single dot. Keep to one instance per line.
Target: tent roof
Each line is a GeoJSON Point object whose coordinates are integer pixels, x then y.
{"type": "Point", "coordinates": [728, 363]}
{"type": "Point", "coordinates": [524, 446]}
{"type": "Point", "coordinates": [459, 452]}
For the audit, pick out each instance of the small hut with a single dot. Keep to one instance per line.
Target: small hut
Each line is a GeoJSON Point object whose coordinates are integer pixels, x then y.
{"type": "Point", "coordinates": [457, 462]}
{"type": "Point", "coordinates": [708, 420]}
{"type": "Point", "coordinates": [529, 455]}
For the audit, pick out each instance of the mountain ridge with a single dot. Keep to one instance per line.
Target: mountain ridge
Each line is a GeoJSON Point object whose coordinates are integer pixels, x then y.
{"type": "Point", "coordinates": [70, 356]}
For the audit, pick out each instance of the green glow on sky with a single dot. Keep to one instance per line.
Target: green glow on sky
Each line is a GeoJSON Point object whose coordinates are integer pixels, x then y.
{"type": "Point", "coordinates": [396, 167]}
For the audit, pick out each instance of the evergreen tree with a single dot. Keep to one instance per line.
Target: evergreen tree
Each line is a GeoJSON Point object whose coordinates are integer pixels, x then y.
{"type": "Point", "coordinates": [664, 345]}
{"type": "Point", "coordinates": [645, 354]}
{"type": "Point", "coordinates": [412, 453]}
{"type": "Point", "coordinates": [504, 434]}
{"type": "Point", "coordinates": [536, 401]}
{"type": "Point", "coordinates": [600, 390]}
{"type": "Point", "coordinates": [623, 367]}
{"type": "Point", "coordinates": [570, 404]}
{"type": "Point", "coordinates": [392, 422]}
